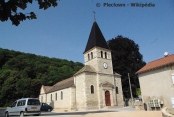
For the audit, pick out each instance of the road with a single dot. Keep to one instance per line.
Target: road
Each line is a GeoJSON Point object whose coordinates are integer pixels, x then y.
{"type": "Point", "coordinates": [71, 114]}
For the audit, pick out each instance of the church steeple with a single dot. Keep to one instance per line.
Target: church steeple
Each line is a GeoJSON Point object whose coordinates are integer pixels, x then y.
{"type": "Point", "coordinates": [96, 38]}
{"type": "Point", "coordinates": [97, 53]}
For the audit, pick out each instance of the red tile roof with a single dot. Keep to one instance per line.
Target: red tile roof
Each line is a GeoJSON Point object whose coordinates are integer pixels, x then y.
{"type": "Point", "coordinates": [157, 64]}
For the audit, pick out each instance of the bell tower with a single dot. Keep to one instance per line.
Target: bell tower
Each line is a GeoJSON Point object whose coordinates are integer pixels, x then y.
{"type": "Point", "coordinates": [97, 53]}
{"type": "Point", "coordinates": [96, 84]}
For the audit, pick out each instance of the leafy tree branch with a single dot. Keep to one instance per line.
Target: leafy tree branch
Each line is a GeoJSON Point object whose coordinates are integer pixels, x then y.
{"type": "Point", "coordinates": [9, 9]}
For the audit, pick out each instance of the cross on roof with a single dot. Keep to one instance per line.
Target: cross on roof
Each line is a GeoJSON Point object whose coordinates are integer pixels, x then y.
{"type": "Point", "coordinates": [94, 15]}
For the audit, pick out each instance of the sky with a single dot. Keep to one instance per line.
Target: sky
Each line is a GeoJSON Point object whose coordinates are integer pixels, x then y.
{"type": "Point", "coordinates": [62, 32]}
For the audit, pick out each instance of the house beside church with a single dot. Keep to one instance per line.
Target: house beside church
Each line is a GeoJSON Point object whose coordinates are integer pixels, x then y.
{"type": "Point", "coordinates": [157, 83]}
{"type": "Point", "coordinates": [95, 86]}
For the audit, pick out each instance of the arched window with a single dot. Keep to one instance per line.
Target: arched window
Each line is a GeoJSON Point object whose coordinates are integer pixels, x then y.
{"type": "Point", "coordinates": [56, 96]}
{"type": "Point", "coordinates": [92, 89]}
{"type": "Point", "coordinates": [91, 55]}
{"type": "Point", "coordinates": [105, 55]}
{"type": "Point", "coordinates": [101, 54]}
{"type": "Point", "coordinates": [51, 97]}
{"type": "Point", "coordinates": [61, 95]}
{"type": "Point", "coordinates": [116, 89]}
{"type": "Point", "coordinates": [88, 57]}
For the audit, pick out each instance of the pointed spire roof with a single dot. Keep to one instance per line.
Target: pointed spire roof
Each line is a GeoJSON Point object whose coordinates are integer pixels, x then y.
{"type": "Point", "coordinates": [96, 38]}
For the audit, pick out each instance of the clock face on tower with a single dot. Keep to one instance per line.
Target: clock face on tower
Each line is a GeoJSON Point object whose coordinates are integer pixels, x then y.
{"type": "Point", "coordinates": [105, 65]}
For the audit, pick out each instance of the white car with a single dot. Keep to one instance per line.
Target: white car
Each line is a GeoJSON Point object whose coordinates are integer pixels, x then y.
{"type": "Point", "coordinates": [24, 106]}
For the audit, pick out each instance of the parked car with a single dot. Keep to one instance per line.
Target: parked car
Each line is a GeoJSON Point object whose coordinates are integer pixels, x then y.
{"type": "Point", "coordinates": [24, 106]}
{"type": "Point", "coordinates": [46, 107]}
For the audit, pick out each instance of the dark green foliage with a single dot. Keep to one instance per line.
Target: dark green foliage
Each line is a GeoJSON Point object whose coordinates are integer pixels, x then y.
{"type": "Point", "coordinates": [126, 59]}
{"type": "Point", "coordinates": [9, 9]}
{"type": "Point", "coordinates": [21, 74]}
{"type": "Point", "coordinates": [138, 91]}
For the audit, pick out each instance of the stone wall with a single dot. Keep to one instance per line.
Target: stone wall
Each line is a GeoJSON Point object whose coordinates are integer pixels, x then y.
{"type": "Point", "coordinates": [97, 61]}
{"type": "Point", "coordinates": [87, 100]}
{"type": "Point", "coordinates": [116, 99]}
{"type": "Point", "coordinates": [158, 84]}
{"type": "Point", "coordinates": [119, 96]}
{"type": "Point", "coordinates": [42, 96]}
{"type": "Point", "coordinates": [72, 98]}
{"type": "Point", "coordinates": [63, 100]}
{"type": "Point", "coordinates": [66, 102]}
{"type": "Point", "coordinates": [80, 95]}
{"type": "Point", "coordinates": [91, 98]}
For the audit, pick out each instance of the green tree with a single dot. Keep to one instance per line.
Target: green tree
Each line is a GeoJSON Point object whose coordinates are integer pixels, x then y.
{"type": "Point", "coordinates": [138, 92]}
{"type": "Point", "coordinates": [5, 55]}
{"type": "Point", "coordinates": [8, 91]}
{"type": "Point", "coordinates": [9, 9]}
{"type": "Point", "coordinates": [23, 87]}
{"type": "Point", "coordinates": [21, 75]}
{"type": "Point", "coordinates": [126, 59]}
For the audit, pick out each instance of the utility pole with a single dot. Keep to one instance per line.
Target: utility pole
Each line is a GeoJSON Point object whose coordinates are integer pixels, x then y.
{"type": "Point", "coordinates": [130, 88]}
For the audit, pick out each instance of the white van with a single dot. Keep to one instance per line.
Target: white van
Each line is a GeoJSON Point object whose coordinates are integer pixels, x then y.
{"type": "Point", "coordinates": [24, 106]}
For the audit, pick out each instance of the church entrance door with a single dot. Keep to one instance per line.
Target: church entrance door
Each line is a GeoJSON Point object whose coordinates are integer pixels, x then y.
{"type": "Point", "coordinates": [107, 98]}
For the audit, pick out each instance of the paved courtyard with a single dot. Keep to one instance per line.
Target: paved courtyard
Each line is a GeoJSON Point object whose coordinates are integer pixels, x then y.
{"type": "Point", "coordinates": [114, 112]}
{"type": "Point", "coordinates": [120, 112]}
{"type": "Point", "coordinates": [126, 114]}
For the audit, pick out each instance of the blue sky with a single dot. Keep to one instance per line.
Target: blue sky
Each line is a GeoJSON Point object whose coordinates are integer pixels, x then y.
{"type": "Point", "coordinates": [63, 31]}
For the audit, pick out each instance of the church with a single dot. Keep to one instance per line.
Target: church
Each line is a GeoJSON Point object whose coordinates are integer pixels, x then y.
{"type": "Point", "coordinates": [95, 86]}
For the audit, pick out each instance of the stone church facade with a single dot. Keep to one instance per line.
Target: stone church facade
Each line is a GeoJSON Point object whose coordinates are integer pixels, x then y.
{"type": "Point", "coordinates": [95, 86]}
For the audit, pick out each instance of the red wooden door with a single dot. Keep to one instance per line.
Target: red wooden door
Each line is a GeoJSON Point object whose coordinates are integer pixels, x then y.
{"type": "Point", "coordinates": [107, 98]}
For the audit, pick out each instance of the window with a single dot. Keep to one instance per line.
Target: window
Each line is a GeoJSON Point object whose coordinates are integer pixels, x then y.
{"type": "Point", "coordinates": [56, 96]}
{"type": "Point", "coordinates": [91, 55]}
{"type": "Point", "coordinates": [101, 54]}
{"type": "Point", "coordinates": [92, 89]}
{"type": "Point", "coordinates": [116, 90]}
{"type": "Point", "coordinates": [33, 102]}
{"type": "Point", "coordinates": [14, 104]}
{"type": "Point", "coordinates": [51, 98]}
{"type": "Point", "coordinates": [61, 95]}
{"type": "Point", "coordinates": [172, 78]}
{"type": "Point", "coordinates": [105, 55]}
{"type": "Point", "coordinates": [88, 57]}
{"type": "Point", "coordinates": [21, 103]}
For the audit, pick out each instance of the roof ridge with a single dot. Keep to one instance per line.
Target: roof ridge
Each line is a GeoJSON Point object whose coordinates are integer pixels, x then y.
{"type": "Point", "coordinates": [63, 81]}
{"type": "Point", "coordinates": [161, 62]}
{"type": "Point", "coordinates": [62, 84]}
{"type": "Point", "coordinates": [160, 58]}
